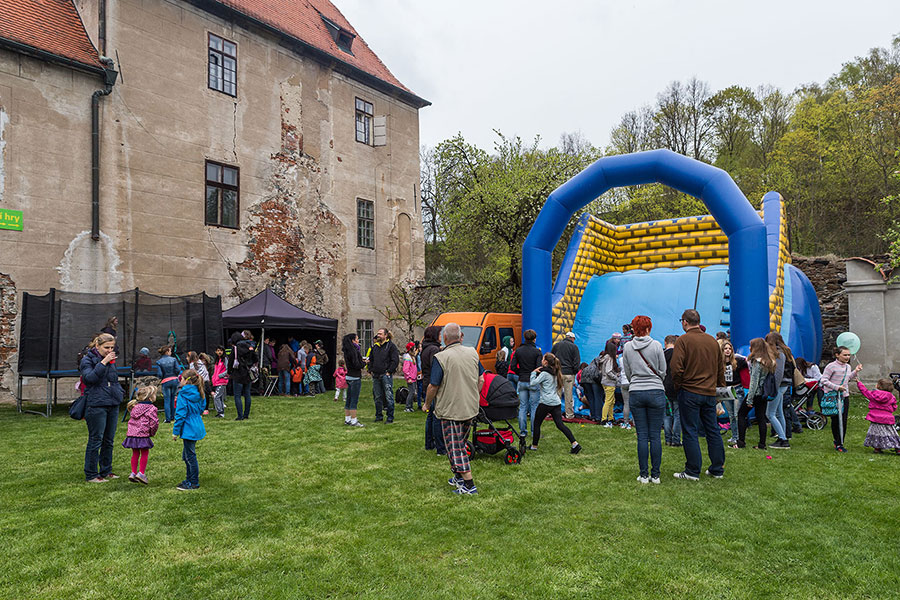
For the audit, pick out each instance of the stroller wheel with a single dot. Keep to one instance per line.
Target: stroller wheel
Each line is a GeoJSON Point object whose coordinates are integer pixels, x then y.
{"type": "Point", "coordinates": [815, 421]}
{"type": "Point", "coordinates": [470, 450]}
{"type": "Point", "coordinates": [513, 457]}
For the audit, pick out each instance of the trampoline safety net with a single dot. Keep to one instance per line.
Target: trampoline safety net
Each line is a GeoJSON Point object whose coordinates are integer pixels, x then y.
{"type": "Point", "coordinates": [55, 327]}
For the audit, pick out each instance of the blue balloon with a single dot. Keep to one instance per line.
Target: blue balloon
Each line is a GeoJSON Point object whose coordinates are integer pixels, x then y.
{"type": "Point", "coordinates": [850, 341]}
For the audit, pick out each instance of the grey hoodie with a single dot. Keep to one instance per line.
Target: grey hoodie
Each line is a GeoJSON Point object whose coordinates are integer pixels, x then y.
{"type": "Point", "coordinates": [640, 376]}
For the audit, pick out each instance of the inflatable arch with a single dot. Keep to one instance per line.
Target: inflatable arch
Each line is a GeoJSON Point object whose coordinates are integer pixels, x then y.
{"type": "Point", "coordinates": [748, 254]}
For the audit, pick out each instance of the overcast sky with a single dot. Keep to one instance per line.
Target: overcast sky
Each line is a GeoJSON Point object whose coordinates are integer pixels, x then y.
{"type": "Point", "coordinates": [527, 67]}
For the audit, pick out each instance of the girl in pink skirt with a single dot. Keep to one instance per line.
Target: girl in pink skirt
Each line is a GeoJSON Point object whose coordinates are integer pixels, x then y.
{"type": "Point", "coordinates": [882, 404]}
{"type": "Point", "coordinates": [142, 426]}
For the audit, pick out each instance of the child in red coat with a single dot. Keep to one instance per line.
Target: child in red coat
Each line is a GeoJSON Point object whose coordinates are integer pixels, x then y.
{"type": "Point", "coordinates": [882, 404]}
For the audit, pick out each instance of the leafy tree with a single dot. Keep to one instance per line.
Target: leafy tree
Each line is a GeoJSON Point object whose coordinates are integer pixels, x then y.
{"type": "Point", "coordinates": [490, 202]}
{"type": "Point", "coordinates": [411, 308]}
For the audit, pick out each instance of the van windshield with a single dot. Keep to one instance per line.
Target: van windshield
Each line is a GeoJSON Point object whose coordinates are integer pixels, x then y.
{"type": "Point", "coordinates": [471, 335]}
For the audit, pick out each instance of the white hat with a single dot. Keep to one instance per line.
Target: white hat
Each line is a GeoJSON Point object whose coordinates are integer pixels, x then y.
{"type": "Point", "coordinates": [571, 334]}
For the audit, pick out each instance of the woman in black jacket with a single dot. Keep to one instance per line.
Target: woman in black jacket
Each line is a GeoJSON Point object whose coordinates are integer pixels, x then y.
{"type": "Point", "coordinates": [434, 433]}
{"type": "Point", "coordinates": [241, 377]}
{"type": "Point", "coordinates": [354, 362]}
{"type": "Point", "coordinates": [103, 395]}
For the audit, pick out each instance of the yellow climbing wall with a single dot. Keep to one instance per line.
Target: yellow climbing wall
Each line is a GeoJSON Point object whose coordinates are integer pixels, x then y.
{"type": "Point", "coordinates": [671, 243]}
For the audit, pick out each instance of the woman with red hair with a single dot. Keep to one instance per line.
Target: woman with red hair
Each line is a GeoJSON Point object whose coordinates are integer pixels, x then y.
{"type": "Point", "coordinates": [645, 367]}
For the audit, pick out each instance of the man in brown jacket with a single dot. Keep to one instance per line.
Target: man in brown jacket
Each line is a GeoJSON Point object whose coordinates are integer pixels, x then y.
{"type": "Point", "coordinates": [698, 368]}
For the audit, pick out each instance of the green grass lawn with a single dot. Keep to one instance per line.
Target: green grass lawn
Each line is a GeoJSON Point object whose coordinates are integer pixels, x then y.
{"type": "Point", "coordinates": [293, 504]}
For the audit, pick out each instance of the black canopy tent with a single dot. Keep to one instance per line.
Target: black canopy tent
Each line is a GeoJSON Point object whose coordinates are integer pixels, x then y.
{"type": "Point", "coordinates": [56, 326]}
{"type": "Point", "coordinates": [267, 311]}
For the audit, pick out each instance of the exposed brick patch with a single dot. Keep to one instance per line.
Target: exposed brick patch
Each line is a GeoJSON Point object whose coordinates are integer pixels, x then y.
{"type": "Point", "coordinates": [296, 243]}
{"type": "Point", "coordinates": [8, 313]}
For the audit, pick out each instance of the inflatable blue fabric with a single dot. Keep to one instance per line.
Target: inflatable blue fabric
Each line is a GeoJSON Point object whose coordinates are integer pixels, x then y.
{"type": "Point", "coordinates": [727, 204]}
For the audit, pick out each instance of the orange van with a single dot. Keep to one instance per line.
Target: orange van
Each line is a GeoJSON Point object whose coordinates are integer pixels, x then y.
{"type": "Point", "coordinates": [485, 332]}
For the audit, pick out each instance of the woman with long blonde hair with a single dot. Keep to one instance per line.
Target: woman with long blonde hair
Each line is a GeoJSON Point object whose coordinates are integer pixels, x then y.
{"type": "Point", "coordinates": [762, 364]}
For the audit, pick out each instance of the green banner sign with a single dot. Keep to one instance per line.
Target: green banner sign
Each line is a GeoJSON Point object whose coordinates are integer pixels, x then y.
{"type": "Point", "coordinates": [11, 219]}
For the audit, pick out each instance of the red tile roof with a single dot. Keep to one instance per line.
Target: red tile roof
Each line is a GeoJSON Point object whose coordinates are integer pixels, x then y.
{"type": "Point", "coordinates": [49, 26]}
{"type": "Point", "coordinates": [302, 20]}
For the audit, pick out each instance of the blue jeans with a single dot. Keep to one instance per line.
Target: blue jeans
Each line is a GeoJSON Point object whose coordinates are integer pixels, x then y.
{"type": "Point", "coordinates": [434, 434]}
{"type": "Point", "coordinates": [101, 423]}
{"type": "Point", "coordinates": [698, 413]}
{"type": "Point", "coordinates": [189, 456]}
{"type": "Point", "coordinates": [169, 390]}
{"type": "Point", "coordinates": [514, 378]}
{"type": "Point", "coordinates": [775, 413]}
{"type": "Point", "coordinates": [672, 424]}
{"type": "Point", "coordinates": [353, 386]}
{"type": "Point", "coordinates": [242, 389]}
{"type": "Point", "coordinates": [528, 403]}
{"type": "Point", "coordinates": [383, 390]}
{"type": "Point", "coordinates": [284, 382]}
{"type": "Point", "coordinates": [597, 398]}
{"type": "Point", "coordinates": [648, 408]}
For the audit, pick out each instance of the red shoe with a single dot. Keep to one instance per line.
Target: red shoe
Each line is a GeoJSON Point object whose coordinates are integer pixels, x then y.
{"type": "Point", "coordinates": [205, 412]}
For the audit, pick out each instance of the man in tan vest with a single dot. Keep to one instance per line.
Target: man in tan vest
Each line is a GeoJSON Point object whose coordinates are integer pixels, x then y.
{"type": "Point", "coordinates": [456, 380]}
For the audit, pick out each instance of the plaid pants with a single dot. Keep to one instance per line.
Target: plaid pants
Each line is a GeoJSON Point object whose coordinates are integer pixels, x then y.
{"type": "Point", "coordinates": [455, 435]}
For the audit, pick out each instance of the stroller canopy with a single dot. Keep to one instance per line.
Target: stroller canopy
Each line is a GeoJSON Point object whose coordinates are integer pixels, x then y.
{"type": "Point", "coordinates": [498, 392]}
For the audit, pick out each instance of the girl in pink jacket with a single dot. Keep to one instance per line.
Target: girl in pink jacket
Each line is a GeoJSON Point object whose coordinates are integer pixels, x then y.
{"type": "Point", "coordinates": [142, 425]}
{"type": "Point", "coordinates": [410, 373]}
{"type": "Point", "coordinates": [340, 380]}
{"type": "Point", "coordinates": [882, 404]}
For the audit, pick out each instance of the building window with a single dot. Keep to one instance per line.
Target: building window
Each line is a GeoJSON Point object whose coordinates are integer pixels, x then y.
{"type": "Point", "coordinates": [364, 112]}
{"type": "Point", "coordinates": [365, 223]}
{"type": "Point", "coordinates": [222, 65]}
{"type": "Point", "coordinates": [342, 37]}
{"type": "Point", "coordinates": [222, 195]}
{"type": "Point", "coordinates": [364, 331]}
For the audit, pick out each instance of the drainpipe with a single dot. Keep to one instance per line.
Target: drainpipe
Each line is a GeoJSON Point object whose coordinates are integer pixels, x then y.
{"type": "Point", "coordinates": [109, 80]}
{"type": "Point", "coordinates": [101, 26]}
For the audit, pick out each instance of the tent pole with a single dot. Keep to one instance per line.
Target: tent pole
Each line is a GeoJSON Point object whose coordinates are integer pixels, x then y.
{"type": "Point", "coordinates": [203, 309]}
{"type": "Point", "coordinates": [134, 330]}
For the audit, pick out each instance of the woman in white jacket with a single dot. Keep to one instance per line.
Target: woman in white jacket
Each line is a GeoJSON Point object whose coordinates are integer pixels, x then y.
{"type": "Point", "coordinates": [644, 364]}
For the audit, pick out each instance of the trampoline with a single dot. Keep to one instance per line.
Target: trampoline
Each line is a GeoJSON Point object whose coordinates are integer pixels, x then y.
{"type": "Point", "coordinates": [55, 327]}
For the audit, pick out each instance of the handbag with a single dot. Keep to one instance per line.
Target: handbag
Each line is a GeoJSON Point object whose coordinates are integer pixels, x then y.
{"type": "Point", "coordinates": [641, 354]}
{"type": "Point", "coordinates": [799, 379]}
{"type": "Point", "coordinates": [78, 408]}
{"type": "Point", "coordinates": [829, 403]}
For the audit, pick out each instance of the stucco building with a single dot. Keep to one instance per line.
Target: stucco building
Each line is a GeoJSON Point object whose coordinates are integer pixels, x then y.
{"type": "Point", "coordinates": [241, 144]}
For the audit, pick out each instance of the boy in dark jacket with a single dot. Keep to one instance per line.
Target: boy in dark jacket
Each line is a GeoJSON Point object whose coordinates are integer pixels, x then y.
{"type": "Point", "coordinates": [671, 420]}
{"type": "Point", "coordinates": [526, 359]}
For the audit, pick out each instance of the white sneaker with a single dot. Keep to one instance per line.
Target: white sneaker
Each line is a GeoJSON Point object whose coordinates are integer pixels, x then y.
{"type": "Point", "coordinates": [654, 480]}
{"type": "Point", "coordinates": [608, 425]}
{"type": "Point", "coordinates": [643, 479]}
{"type": "Point", "coordinates": [683, 475]}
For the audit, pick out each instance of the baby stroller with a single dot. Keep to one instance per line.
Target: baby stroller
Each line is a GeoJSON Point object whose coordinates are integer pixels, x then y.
{"type": "Point", "coordinates": [498, 401]}
{"type": "Point", "coordinates": [810, 418]}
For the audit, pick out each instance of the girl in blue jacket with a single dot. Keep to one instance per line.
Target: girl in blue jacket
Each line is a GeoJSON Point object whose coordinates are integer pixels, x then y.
{"type": "Point", "coordinates": [189, 425]}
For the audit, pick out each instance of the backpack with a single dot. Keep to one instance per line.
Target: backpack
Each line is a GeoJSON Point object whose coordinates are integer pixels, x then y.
{"type": "Point", "coordinates": [591, 373]}
{"type": "Point", "coordinates": [770, 387]}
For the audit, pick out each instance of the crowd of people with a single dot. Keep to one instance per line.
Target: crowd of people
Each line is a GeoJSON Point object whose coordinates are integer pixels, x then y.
{"type": "Point", "coordinates": [688, 387]}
